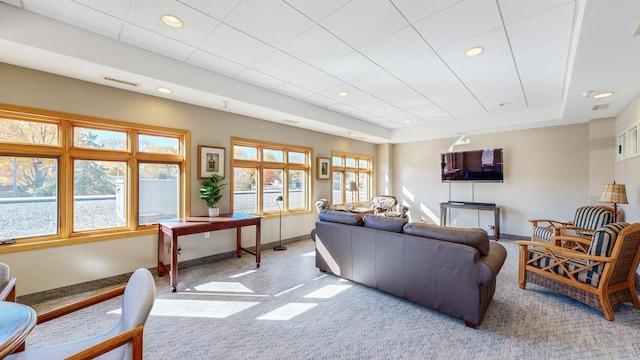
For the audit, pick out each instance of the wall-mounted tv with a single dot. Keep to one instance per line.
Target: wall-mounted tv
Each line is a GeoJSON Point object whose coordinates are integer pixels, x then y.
{"type": "Point", "coordinates": [473, 166]}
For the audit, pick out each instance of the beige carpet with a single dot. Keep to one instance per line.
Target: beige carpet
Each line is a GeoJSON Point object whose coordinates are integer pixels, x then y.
{"type": "Point", "coordinates": [287, 309]}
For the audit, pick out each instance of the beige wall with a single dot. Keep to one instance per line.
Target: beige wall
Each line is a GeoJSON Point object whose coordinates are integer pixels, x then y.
{"type": "Point", "coordinates": [55, 267]}
{"type": "Point", "coordinates": [547, 175]}
{"type": "Point", "coordinates": [628, 170]}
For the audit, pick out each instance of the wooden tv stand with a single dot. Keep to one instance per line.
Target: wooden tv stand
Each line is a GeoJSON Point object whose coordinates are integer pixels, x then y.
{"type": "Point", "coordinates": [471, 206]}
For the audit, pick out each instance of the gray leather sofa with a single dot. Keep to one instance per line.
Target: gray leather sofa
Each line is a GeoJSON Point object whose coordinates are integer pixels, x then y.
{"type": "Point", "coordinates": [451, 270]}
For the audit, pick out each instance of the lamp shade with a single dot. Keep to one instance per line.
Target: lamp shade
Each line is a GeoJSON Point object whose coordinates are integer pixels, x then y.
{"type": "Point", "coordinates": [354, 187]}
{"type": "Point", "coordinates": [614, 193]}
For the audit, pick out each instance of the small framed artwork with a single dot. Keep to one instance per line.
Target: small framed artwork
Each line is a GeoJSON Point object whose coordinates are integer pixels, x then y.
{"type": "Point", "coordinates": [323, 172]}
{"type": "Point", "coordinates": [210, 161]}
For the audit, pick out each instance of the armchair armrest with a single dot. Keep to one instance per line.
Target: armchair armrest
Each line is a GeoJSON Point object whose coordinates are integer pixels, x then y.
{"type": "Point", "coordinates": [8, 291]}
{"type": "Point", "coordinates": [134, 336]}
{"type": "Point", "coordinates": [68, 309]}
{"type": "Point", "coordinates": [534, 222]}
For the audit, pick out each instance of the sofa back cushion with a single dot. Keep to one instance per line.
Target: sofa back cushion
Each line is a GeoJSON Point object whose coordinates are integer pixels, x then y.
{"type": "Point", "coordinates": [393, 224]}
{"type": "Point", "coordinates": [474, 237]}
{"type": "Point", "coordinates": [341, 217]}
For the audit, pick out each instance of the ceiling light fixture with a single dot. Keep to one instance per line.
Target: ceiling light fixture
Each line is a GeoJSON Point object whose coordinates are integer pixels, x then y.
{"type": "Point", "coordinates": [352, 134]}
{"type": "Point", "coordinates": [602, 95]}
{"type": "Point", "coordinates": [474, 51]}
{"type": "Point", "coordinates": [505, 104]}
{"type": "Point", "coordinates": [407, 121]}
{"type": "Point", "coordinates": [164, 90]}
{"type": "Point", "coordinates": [172, 21]}
{"type": "Point", "coordinates": [343, 93]}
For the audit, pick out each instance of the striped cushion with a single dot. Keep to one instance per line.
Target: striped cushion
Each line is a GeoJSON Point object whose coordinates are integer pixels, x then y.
{"type": "Point", "coordinates": [590, 277]}
{"type": "Point", "coordinates": [543, 232]}
{"type": "Point", "coordinates": [604, 239]}
{"type": "Point", "coordinates": [592, 217]}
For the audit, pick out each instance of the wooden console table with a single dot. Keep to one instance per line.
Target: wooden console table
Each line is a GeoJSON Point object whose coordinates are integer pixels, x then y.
{"type": "Point", "coordinates": [196, 225]}
{"type": "Point", "coordinates": [496, 213]}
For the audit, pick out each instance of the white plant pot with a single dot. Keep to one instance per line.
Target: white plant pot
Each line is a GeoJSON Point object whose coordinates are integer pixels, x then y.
{"type": "Point", "coordinates": [214, 212]}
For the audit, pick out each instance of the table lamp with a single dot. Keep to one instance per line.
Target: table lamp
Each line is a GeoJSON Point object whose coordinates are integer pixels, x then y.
{"type": "Point", "coordinates": [279, 247]}
{"type": "Point", "coordinates": [353, 187]}
{"type": "Point", "coordinates": [616, 194]}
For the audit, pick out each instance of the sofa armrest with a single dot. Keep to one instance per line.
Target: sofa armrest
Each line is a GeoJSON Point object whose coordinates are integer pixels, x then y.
{"type": "Point", "coordinates": [492, 262]}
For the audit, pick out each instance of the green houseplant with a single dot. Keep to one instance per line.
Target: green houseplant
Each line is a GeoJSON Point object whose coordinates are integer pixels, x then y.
{"type": "Point", "coordinates": [211, 192]}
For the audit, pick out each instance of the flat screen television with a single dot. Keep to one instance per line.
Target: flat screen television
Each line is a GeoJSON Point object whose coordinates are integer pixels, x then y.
{"type": "Point", "coordinates": [472, 166]}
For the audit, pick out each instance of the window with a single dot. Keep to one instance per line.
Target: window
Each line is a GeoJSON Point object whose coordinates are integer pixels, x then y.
{"type": "Point", "coordinates": [264, 171]}
{"type": "Point", "coordinates": [38, 203]}
{"type": "Point", "coordinates": [349, 168]}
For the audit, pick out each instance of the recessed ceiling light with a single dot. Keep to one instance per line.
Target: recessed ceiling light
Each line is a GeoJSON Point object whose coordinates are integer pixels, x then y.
{"type": "Point", "coordinates": [172, 21]}
{"type": "Point", "coordinates": [164, 90]}
{"type": "Point", "coordinates": [602, 95]}
{"type": "Point", "coordinates": [505, 104]}
{"type": "Point", "coordinates": [474, 51]}
{"type": "Point", "coordinates": [407, 121]}
{"type": "Point", "coordinates": [343, 93]}
{"type": "Point", "coordinates": [352, 134]}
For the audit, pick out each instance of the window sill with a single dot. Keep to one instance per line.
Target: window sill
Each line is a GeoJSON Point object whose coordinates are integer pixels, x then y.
{"type": "Point", "coordinates": [27, 245]}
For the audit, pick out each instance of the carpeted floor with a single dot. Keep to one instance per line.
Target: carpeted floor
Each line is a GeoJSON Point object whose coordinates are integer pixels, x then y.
{"type": "Point", "coordinates": [287, 309]}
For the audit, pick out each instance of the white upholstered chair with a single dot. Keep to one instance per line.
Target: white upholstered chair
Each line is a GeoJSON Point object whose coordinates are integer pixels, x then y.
{"type": "Point", "coordinates": [123, 341]}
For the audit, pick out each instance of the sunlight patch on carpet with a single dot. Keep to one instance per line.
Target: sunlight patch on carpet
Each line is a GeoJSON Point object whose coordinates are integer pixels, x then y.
{"type": "Point", "coordinates": [227, 287]}
{"type": "Point", "coordinates": [198, 308]}
{"type": "Point", "coordinates": [327, 292]}
{"type": "Point", "coordinates": [288, 311]}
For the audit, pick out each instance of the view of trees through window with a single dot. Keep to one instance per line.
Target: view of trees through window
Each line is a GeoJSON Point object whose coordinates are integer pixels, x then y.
{"type": "Point", "coordinates": [260, 171]}
{"type": "Point", "coordinates": [98, 161]}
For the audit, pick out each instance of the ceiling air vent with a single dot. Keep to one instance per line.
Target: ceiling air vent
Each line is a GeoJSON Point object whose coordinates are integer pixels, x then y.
{"type": "Point", "coordinates": [600, 107]}
{"type": "Point", "coordinates": [122, 82]}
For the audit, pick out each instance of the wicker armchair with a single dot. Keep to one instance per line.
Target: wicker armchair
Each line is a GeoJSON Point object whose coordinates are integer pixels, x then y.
{"type": "Point", "coordinates": [387, 205]}
{"type": "Point", "coordinates": [586, 220]}
{"type": "Point", "coordinates": [602, 278]}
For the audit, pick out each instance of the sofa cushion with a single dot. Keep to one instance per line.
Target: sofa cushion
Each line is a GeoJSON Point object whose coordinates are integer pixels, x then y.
{"type": "Point", "coordinates": [341, 217]}
{"type": "Point", "coordinates": [394, 224]}
{"type": "Point", "coordinates": [474, 237]}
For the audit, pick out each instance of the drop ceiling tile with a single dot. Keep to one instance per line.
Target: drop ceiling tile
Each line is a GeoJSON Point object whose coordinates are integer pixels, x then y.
{"type": "Point", "coordinates": [547, 26]}
{"type": "Point", "coordinates": [257, 78]}
{"type": "Point", "coordinates": [343, 108]}
{"type": "Point", "coordinates": [317, 10]}
{"type": "Point", "coordinates": [320, 100]}
{"type": "Point", "coordinates": [281, 66]}
{"type": "Point", "coordinates": [459, 22]}
{"type": "Point", "coordinates": [376, 81]}
{"type": "Point", "coordinates": [449, 94]}
{"type": "Point", "coordinates": [374, 19]}
{"type": "Point", "coordinates": [495, 43]}
{"type": "Point", "coordinates": [426, 73]}
{"type": "Point", "coordinates": [116, 8]}
{"type": "Point", "coordinates": [516, 10]}
{"type": "Point", "coordinates": [416, 10]}
{"type": "Point", "coordinates": [350, 67]}
{"type": "Point", "coordinates": [147, 14]}
{"type": "Point", "coordinates": [293, 91]}
{"type": "Point", "coordinates": [492, 81]}
{"type": "Point", "coordinates": [273, 22]}
{"type": "Point", "coordinates": [412, 102]}
{"type": "Point", "coordinates": [397, 47]}
{"type": "Point", "coordinates": [317, 47]}
{"type": "Point", "coordinates": [15, 3]}
{"type": "Point", "coordinates": [218, 9]}
{"type": "Point", "coordinates": [542, 70]}
{"type": "Point", "coordinates": [363, 102]}
{"type": "Point", "coordinates": [215, 63]}
{"type": "Point", "coordinates": [463, 107]}
{"type": "Point", "coordinates": [316, 81]}
{"type": "Point", "coordinates": [395, 93]}
{"type": "Point", "coordinates": [155, 42]}
{"type": "Point", "coordinates": [233, 45]}
{"type": "Point", "coordinates": [79, 15]}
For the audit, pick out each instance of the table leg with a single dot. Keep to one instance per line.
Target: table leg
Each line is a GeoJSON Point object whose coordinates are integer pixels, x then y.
{"type": "Point", "coordinates": [174, 263]}
{"type": "Point", "coordinates": [258, 244]}
{"type": "Point", "coordinates": [238, 241]}
{"type": "Point", "coordinates": [496, 222]}
{"type": "Point", "coordinates": [161, 267]}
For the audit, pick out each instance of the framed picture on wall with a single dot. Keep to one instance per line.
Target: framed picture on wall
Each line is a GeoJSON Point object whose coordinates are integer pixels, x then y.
{"type": "Point", "coordinates": [210, 161]}
{"type": "Point", "coordinates": [323, 171]}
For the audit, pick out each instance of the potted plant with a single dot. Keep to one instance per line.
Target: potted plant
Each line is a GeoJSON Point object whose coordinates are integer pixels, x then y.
{"type": "Point", "coordinates": [211, 192]}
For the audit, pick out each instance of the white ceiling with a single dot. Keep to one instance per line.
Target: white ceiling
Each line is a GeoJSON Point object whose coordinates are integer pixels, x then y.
{"type": "Point", "coordinates": [401, 61]}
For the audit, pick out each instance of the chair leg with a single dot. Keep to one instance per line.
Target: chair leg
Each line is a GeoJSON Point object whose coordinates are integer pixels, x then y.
{"type": "Point", "coordinates": [522, 267]}
{"type": "Point", "coordinates": [606, 306]}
